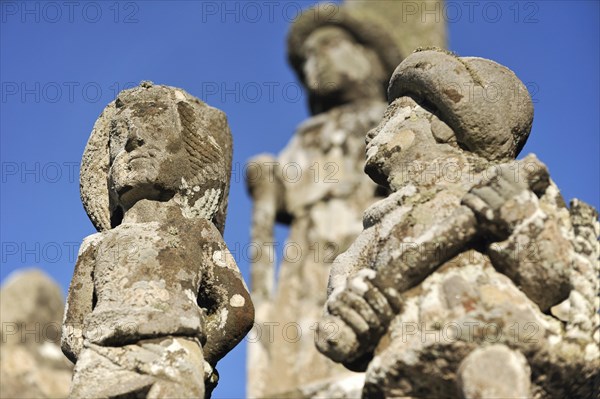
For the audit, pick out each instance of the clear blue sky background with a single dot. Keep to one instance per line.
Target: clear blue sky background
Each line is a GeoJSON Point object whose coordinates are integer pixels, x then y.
{"type": "Point", "coordinates": [61, 66]}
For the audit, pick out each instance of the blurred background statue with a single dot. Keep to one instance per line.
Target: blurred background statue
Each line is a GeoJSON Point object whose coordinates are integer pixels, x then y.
{"type": "Point", "coordinates": [344, 56]}
{"type": "Point", "coordinates": [31, 362]}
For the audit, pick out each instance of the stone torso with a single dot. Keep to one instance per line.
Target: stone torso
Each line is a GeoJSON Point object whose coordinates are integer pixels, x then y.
{"type": "Point", "coordinates": [147, 278]}
{"type": "Point", "coordinates": [470, 300]}
{"type": "Point", "coordinates": [325, 158]}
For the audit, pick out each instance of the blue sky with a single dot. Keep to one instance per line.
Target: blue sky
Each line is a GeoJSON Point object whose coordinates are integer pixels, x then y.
{"type": "Point", "coordinates": [60, 64]}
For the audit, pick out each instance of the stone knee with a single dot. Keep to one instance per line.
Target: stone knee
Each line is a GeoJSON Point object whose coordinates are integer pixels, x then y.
{"type": "Point", "coordinates": [494, 372]}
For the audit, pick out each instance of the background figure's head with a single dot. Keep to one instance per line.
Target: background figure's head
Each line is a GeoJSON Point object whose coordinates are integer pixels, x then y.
{"type": "Point", "coordinates": [339, 70]}
{"type": "Point", "coordinates": [157, 143]}
{"type": "Point", "coordinates": [348, 51]}
{"type": "Point", "coordinates": [443, 105]}
{"type": "Point", "coordinates": [341, 55]}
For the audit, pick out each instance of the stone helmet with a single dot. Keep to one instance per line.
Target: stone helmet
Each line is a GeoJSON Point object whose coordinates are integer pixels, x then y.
{"type": "Point", "coordinates": [486, 105]}
{"type": "Point", "coordinates": [206, 138]}
{"type": "Point", "coordinates": [389, 27]}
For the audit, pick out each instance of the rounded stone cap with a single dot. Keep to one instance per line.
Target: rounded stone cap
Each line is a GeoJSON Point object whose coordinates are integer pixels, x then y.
{"type": "Point", "coordinates": [368, 30]}
{"type": "Point", "coordinates": [487, 106]}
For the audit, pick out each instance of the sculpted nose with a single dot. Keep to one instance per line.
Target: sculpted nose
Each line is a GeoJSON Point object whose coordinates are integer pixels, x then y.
{"type": "Point", "coordinates": [370, 135]}
{"type": "Point", "coordinates": [134, 141]}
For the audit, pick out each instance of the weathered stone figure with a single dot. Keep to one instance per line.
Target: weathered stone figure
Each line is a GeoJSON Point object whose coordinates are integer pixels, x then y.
{"type": "Point", "coordinates": [31, 363]}
{"type": "Point", "coordinates": [344, 56]}
{"type": "Point", "coordinates": [156, 298]}
{"type": "Point", "coordinates": [472, 279]}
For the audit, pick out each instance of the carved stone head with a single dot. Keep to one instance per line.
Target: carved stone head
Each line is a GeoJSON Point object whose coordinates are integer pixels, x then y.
{"type": "Point", "coordinates": [340, 69]}
{"type": "Point", "coordinates": [444, 106]}
{"type": "Point", "coordinates": [157, 143]}
{"type": "Point", "coordinates": [341, 55]}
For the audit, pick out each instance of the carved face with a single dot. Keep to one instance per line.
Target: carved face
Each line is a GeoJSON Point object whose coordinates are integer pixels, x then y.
{"type": "Point", "coordinates": [335, 62]}
{"type": "Point", "coordinates": [407, 139]}
{"type": "Point", "coordinates": [147, 156]}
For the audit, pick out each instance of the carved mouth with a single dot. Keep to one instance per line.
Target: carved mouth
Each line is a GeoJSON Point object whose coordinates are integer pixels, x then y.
{"type": "Point", "coordinates": [134, 157]}
{"type": "Point", "coordinates": [141, 154]}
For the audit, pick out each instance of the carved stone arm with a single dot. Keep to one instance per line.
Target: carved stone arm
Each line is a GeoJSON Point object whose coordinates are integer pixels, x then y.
{"type": "Point", "coordinates": [267, 191]}
{"type": "Point", "coordinates": [360, 322]}
{"type": "Point", "coordinates": [225, 299]}
{"type": "Point", "coordinates": [80, 299]}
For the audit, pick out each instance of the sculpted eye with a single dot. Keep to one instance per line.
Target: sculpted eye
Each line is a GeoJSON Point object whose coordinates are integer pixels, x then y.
{"type": "Point", "coordinates": [117, 137]}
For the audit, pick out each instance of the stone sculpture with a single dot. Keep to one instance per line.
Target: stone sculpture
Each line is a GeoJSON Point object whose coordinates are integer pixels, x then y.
{"type": "Point", "coordinates": [472, 278]}
{"type": "Point", "coordinates": [344, 56]}
{"type": "Point", "coordinates": [156, 298]}
{"type": "Point", "coordinates": [31, 363]}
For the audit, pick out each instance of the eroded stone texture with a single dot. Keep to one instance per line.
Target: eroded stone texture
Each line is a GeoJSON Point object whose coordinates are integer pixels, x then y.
{"type": "Point", "coordinates": [31, 363]}
{"type": "Point", "coordinates": [156, 298]}
{"type": "Point", "coordinates": [473, 258]}
{"type": "Point", "coordinates": [344, 56]}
